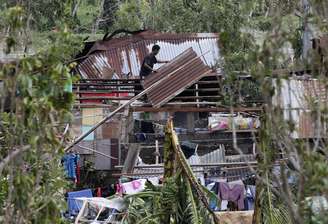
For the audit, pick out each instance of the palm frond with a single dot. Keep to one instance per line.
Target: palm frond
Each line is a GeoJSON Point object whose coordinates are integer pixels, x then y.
{"type": "Point", "coordinates": [193, 207]}
{"type": "Point", "coordinates": [274, 211]}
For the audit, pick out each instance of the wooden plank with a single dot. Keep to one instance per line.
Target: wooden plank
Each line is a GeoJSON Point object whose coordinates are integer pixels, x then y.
{"type": "Point", "coordinates": [154, 166]}
{"type": "Point", "coordinates": [94, 105]}
{"type": "Point", "coordinates": [233, 217]}
{"type": "Point", "coordinates": [195, 109]}
{"type": "Point", "coordinates": [131, 158]}
{"type": "Point", "coordinates": [196, 97]}
{"type": "Point", "coordinates": [105, 91]}
{"type": "Point", "coordinates": [174, 108]}
{"type": "Point", "coordinates": [113, 80]}
{"type": "Point", "coordinates": [106, 84]}
{"type": "Point", "coordinates": [104, 98]}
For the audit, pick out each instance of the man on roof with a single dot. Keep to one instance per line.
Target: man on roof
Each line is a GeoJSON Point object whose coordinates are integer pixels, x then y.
{"type": "Point", "coordinates": [149, 61]}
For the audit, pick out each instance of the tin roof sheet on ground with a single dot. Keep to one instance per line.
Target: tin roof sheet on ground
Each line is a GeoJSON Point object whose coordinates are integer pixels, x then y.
{"type": "Point", "coordinates": [125, 55]}
{"type": "Point", "coordinates": [184, 70]}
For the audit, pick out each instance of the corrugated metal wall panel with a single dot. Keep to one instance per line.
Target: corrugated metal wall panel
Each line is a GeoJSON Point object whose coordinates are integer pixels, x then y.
{"type": "Point", "coordinates": [102, 162]}
{"type": "Point", "coordinates": [293, 97]}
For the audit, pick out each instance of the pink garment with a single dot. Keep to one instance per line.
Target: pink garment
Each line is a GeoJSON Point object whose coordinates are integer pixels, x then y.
{"type": "Point", "coordinates": [236, 194]}
{"type": "Point", "coordinates": [136, 184]}
{"type": "Point", "coordinates": [119, 189]}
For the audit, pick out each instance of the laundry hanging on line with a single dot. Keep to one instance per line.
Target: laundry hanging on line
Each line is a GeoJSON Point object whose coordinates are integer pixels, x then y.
{"type": "Point", "coordinates": [70, 162]}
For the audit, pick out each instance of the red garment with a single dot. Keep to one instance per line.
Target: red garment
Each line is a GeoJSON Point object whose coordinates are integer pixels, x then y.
{"type": "Point", "coordinates": [78, 173]}
{"type": "Point", "coordinates": [119, 189]}
{"type": "Point", "coordinates": [98, 191]}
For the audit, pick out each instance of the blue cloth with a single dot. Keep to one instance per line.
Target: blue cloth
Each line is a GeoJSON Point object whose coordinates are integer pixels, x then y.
{"type": "Point", "coordinates": [70, 162]}
{"type": "Point", "coordinates": [208, 181]}
{"type": "Point", "coordinates": [213, 204]}
{"type": "Point", "coordinates": [250, 197]}
{"type": "Point", "coordinates": [140, 137]}
{"type": "Point", "coordinates": [74, 205]}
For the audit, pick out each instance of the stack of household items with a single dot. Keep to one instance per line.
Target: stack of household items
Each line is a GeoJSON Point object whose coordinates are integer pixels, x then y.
{"type": "Point", "coordinates": [224, 122]}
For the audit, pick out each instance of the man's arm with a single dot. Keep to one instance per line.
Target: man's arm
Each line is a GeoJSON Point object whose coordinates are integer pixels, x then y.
{"type": "Point", "coordinates": [159, 61]}
{"type": "Point", "coordinates": [147, 66]}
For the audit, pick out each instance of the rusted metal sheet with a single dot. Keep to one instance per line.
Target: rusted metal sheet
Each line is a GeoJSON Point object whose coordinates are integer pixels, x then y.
{"type": "Point", "coordinates": [125, 55]}
{"type": "Point", "coordinates": [185, 70]}
{"type": "Point", "coordinates": [295, 97]}
{"type": "Point", "coordinates": [321, 45]}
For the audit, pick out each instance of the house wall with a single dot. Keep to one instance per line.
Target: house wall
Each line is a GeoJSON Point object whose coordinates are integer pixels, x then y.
{"type": "Point", "coordinates": [104, 139]}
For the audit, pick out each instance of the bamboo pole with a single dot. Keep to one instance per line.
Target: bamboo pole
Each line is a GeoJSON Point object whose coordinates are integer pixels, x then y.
{"type": "Point", "coordinates": [95, 151]}
{"type": "Point", "coordinates": [157, 152]}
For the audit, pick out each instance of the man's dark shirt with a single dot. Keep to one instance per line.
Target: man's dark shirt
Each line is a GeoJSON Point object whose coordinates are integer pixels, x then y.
{"type": "Point", "coordinates": [150, 60]}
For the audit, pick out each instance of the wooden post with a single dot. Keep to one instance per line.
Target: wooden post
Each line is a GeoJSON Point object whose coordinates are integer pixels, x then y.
{"type": "Point", "coordinates": [131, 158]}
{"type": "Point", "coordinates": [157, 151]}
{"type": "Point", "coordinates": [169, 155]}
{"type": "Point", "coordinates": [119, 152]}
{"type": "Point", "coordinates": [197, 94]}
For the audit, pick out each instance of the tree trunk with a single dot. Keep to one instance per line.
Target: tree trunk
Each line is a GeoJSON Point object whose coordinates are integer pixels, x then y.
{"type": "Point", "coordinates": [307, 32]}
{"type": "Point", "coordinates": [74, 8]}
{"type": "Point", "coordinates": [257, 217]}
{"type": "Point", "coordinates": [169, 162]}
{"type": "Point", "coordinates": [96, 25]}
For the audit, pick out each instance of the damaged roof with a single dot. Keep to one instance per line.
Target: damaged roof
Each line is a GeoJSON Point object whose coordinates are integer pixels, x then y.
{"type": "Point", "coordinates": [297, 97]}
{"type": "Point", "coordinates": [184, 70]}
{"type": "Point", "coordinates": [124, 55]}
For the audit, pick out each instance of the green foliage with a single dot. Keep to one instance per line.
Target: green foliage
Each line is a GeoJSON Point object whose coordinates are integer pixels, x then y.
{"type": "Point", "coordinates": [180, 200]}
{"type": "Point", "coordinates": [131, 15]}
{"type": "Point", "coordinates": [43, 14]}
{"type": "Point", "coordinates": [316, 173]}
{"type": "Point", "coordinates": [180, 15]}
{"type": "Point", "coordinates": [275, 210]}
{"type": "Point", "coordinates": [32, 181]}
{"type": "Point", "coordinates": [174, 199]}
{"type": "Point", "coordinates": [86, 14]}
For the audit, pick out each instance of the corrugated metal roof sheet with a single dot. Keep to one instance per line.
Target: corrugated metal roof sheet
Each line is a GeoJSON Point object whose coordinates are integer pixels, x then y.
{"type": "Point", "coordinates": [125, 55]}
{"type": "Point", "coordinates": [184, 70]}
{"type": "Point", "coordinates": [216, 156]}
{"type": "Point", "coordinates": [294, 97]}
